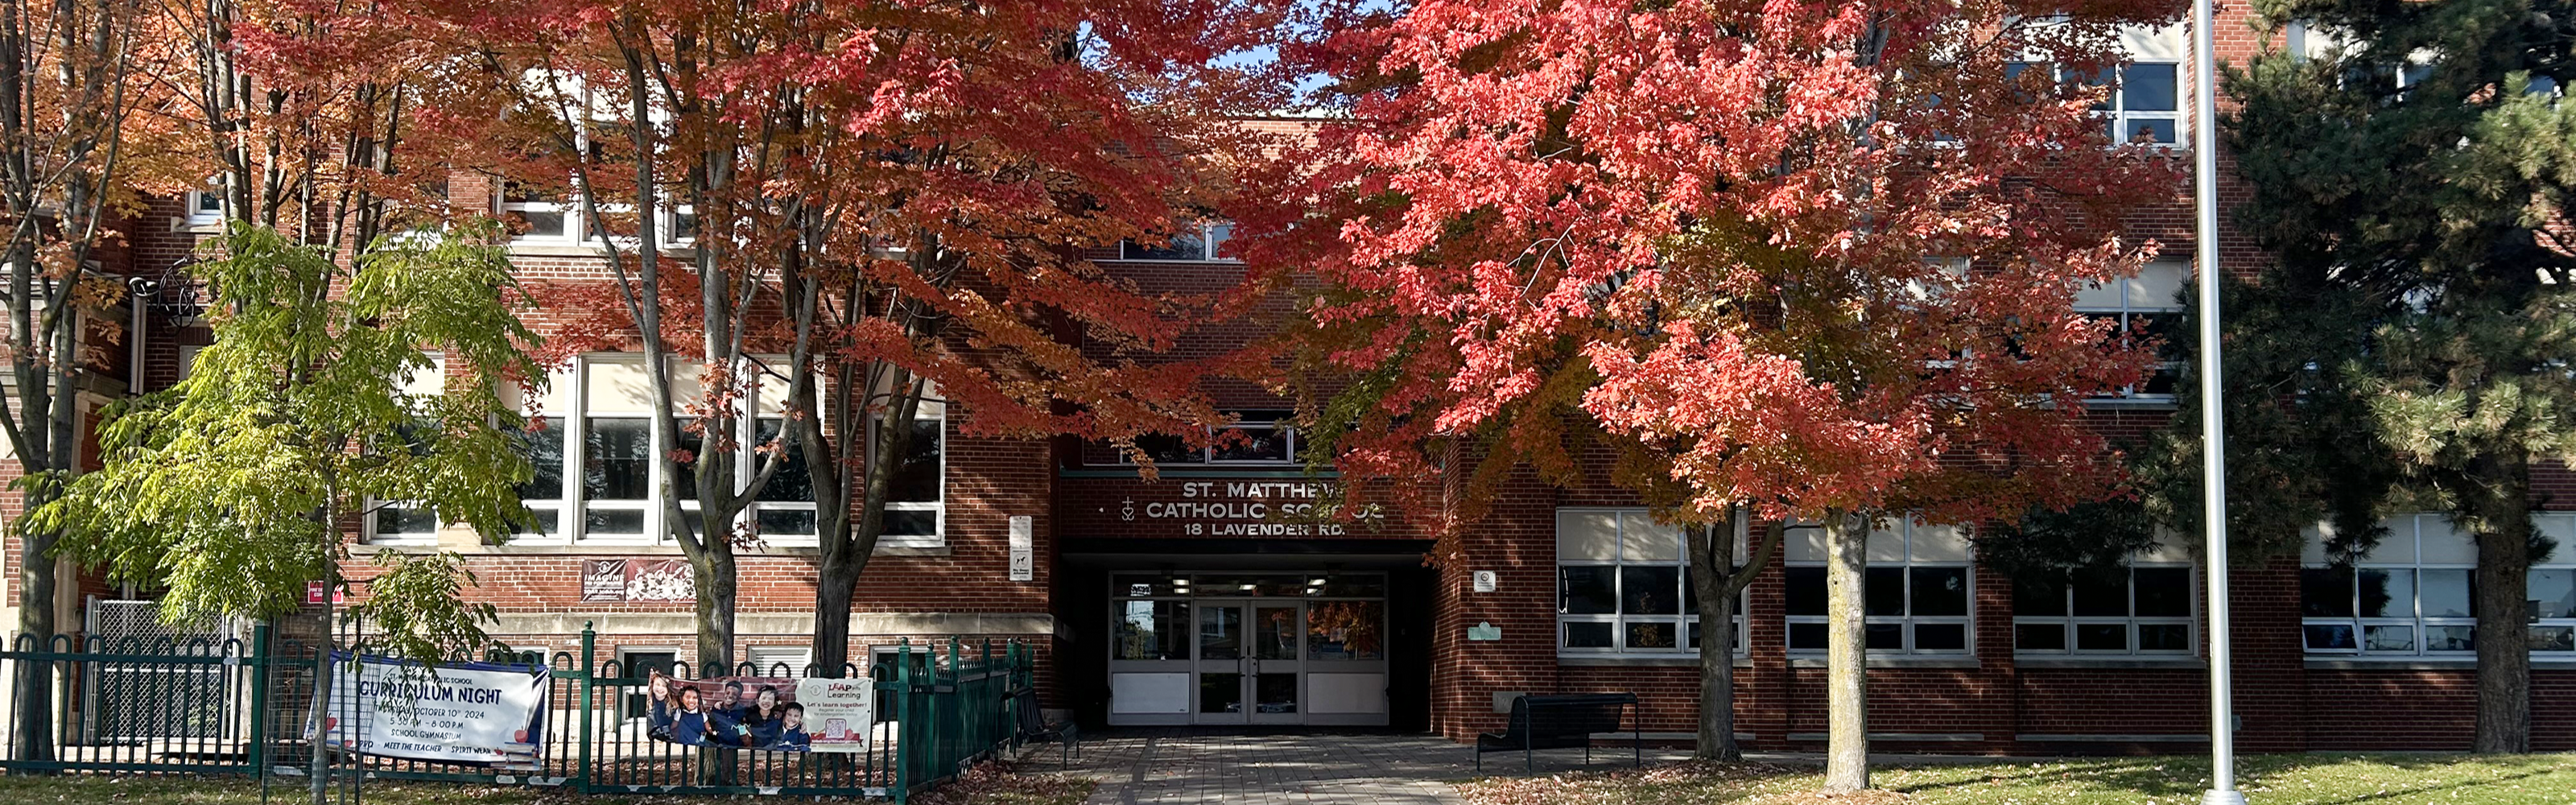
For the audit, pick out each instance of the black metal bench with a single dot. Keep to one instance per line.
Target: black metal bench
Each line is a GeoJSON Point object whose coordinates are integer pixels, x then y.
{"type": "Point", "coordinates": [1560, 722]}
{"type": "Point", "coordinates": [1034, 726]}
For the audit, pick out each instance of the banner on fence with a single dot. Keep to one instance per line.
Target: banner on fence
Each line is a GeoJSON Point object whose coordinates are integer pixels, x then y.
{"type": "Point", "coordinates": [748, 712]}
{"type": "Point", "coordinates": [459, 713]}
{"type": "Point", "coordinates": [841, 710]}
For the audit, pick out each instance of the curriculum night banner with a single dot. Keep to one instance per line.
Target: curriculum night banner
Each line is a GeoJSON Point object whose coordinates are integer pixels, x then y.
{"type": "Point", "coordinates": [458, 713]}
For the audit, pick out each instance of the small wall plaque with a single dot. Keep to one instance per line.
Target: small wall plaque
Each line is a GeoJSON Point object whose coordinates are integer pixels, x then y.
{"type": "Point", "coordinates": [1484, 631]}
{"type": "Point", "coordinates": [1484, 581]}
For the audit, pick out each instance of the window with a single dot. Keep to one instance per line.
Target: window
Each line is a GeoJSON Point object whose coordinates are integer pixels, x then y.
{"type": "Point", "coordinates": [787, 661]}
{"type": "Point", "coordinates": [2142, 609]}
{"type": "Point", "coordinates": [406, 522]}
{"type": "Point", "coordinates": [2146, 306]}
{"type": "Point", "coordinates": [205, 207]}
{"type": "Point", "coordinates": [916, 498]}
{"type": "Point", "coordinates": [1623, 586]}
{"type": "Point", "coordinates": [541, 215]}
{"type": "Point", "coordinates": [640, 664]}
{"type": "Point", "coordinates": [547, 216]}
{"type": "Point", "coordinates": [2410, 596]}
{"type": "Point", "coordinates": [1195, 242]}
{"type": "Point", "coordinates": [1916, 590]}
{"type": "Point", "coordinates": [2144, 105]}
{"type": "Point", "coordinates": [597, 479]}
{"type": "Point", "coordinates": [1262, 437]}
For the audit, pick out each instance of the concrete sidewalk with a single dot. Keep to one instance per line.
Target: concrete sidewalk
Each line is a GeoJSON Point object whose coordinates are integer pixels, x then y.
{"type": "Point", "coordinates": [1196, 765]}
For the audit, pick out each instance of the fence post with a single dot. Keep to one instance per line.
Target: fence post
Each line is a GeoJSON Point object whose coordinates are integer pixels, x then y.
{"type": "Point", "coordinates": [589, 669]}
{"type": "Point", "coordinates": [259, 701]}
{"type": "Point", "coordinates": [907, 723]}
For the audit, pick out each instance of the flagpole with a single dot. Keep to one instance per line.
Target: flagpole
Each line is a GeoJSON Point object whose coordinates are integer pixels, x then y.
{"type": "Point", "coordinates": [2213, 449]}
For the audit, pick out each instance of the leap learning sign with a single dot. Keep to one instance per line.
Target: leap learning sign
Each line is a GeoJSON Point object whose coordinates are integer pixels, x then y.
{"type": "Point", "coordinates": [840, 710]}
{"type": "Point", "coordinates": [461, 713]}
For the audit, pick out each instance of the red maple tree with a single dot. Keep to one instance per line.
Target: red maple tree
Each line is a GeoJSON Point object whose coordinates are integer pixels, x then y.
{"type": "Point", "coordinates": [1806, 260]}
{"type": "Point", "coordinates": [890, 206]}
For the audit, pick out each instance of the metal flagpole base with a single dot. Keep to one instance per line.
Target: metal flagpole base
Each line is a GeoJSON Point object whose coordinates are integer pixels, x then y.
{"type": "Point", "coordinates": [2222, 798]}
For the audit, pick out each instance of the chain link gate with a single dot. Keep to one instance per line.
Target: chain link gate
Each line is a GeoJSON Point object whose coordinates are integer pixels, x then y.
{"type": "Point", "coordinates": [138, 702]}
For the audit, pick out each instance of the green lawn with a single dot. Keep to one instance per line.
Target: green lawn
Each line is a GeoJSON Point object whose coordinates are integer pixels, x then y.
{"type": "Point", "coordinates": [2316, 779]}
{"type": "Point", "coordinates": [982, 787]}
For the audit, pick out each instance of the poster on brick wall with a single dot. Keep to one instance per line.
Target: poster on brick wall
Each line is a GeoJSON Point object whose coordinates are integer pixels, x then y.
{"type": "Point", "coordinates": [744, 712]}
{"type": "Point", "coordinates": [636, 580]}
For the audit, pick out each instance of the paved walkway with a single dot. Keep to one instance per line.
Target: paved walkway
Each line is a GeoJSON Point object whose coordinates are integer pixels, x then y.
{"type": "Point", "coordinates": [1178, 766]}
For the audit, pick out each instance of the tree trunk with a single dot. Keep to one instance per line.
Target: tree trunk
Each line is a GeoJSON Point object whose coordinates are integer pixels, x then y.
{"type": "Point", "coordinates": [2503, 486]}
{"type": "Point", "coordinates": [835, 588]}
{"type": "Point", "coordinates": [1712, 556]}
{"type": "Point", "coordinates": [317, 770]}
{"type": "Point", "coordinates": [1846, 671]}
{"type": "Point", "coordinates": [32, 737]}
{"type": "Point", "coordinates": [715, 583]}
{"type": "Point", "coordinates": [1716, 581]}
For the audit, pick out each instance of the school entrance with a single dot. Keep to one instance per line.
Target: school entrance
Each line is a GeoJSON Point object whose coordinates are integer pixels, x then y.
{"type": "Point", "coordinates": [1248, 648]}
{"type": "Point", "coordinates": [1247, 639]}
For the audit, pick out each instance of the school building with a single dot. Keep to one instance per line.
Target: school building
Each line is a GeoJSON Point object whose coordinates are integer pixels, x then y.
{"type": "Point", "coordinates": [1208, 597]}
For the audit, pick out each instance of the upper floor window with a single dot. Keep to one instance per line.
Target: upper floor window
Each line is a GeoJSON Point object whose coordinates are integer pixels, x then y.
{"type": "Point", "coordinates": [1915, 591]}
{"type": "Point", "coordinates": [403, 522]}
{"type": "Point", "coordinates": [917, 496]}
{"type": "Point", "coordinates": [544, 216]}
{"type": "Point", "coordinates": [2144, 101]}
{"type": "Point", "coordinates": [596, 476]}
{"type": "Point", "coordinates": [1200, 241]}
{"type": "Point", "coordinates": [2146, 307]}
{"type": "Point", "coordinates": [1256, 437]}
{"type": "Point", "coordinates": [1623, 586]}
{"type": "Point", "coordinates": [2145, 608]}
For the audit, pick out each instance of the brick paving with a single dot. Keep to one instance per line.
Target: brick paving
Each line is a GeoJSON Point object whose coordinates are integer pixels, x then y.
{"type": "Point", "coordinates": [1182, 766]}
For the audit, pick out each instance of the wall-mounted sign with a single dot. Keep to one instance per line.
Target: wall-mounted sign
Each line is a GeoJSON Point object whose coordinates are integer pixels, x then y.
{"type": "Point", "coordinates": [1024, 548]}
{"type": "Point", "coordinates": [636, 580]}
{"type": "Point", "coordinates": [1255, 509]}
{"type": "Point", "coordinates": [1484, 581]}
{"type": "Point", "coordinates": [1484, 631]}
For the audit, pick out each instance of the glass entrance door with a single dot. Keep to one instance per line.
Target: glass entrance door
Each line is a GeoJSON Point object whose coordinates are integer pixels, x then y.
{"type": "Point", "coordinates": [1277, 677]}
{"type": "Point", "coordinates": [1251, 662]}
{"type": "Point", "coordinates": [1259, 649]}
{"type": "Point", "coordinates": [1224, 662]}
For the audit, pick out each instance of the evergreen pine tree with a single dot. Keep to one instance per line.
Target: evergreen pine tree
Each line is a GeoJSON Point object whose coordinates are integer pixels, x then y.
{"type": "Point", "coordinates": [2411, 170]}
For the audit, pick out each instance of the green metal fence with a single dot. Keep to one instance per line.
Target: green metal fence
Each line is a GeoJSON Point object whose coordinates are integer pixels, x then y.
{"type": "Point", "coordinates": [244, 708]}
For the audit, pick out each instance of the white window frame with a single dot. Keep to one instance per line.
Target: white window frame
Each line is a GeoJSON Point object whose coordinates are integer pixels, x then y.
{"type": "Point", "coordinates": [197, 213]}
{"type": "Point", "coordinates": [369, 532]}
{"type": "Point", "coordinates": [2407, 531]}
{"type": "Point", "coordinates": [1903, 529]}
{"type": "Point", "coordinates": [576, 225]}
{"type": "Point", "coordinates": [1212, 236]}
{"type": "Point", "coordinates": [939, 509]}
{"type": "Point", "coordinates": [2123, 313]}
{"type": "Point", "coordinates": [1686, 622]}
{"type": "Point", "coordinates": [2114, 109]}
{"type": "Point", "coordinates": [571, 507]}
{"type": "Point", "coordinates": [2069, 623]}
{"type": "Point", "coordinates": [764, 660]}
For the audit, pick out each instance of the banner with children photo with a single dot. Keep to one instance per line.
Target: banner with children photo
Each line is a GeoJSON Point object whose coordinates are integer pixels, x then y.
{"type": "Point", "coordinates": [740, 712]}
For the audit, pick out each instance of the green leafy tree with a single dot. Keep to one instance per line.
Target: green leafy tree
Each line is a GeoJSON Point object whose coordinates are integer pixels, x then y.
{"type": "Point", "coordinates": [234, 490]}
{"type": "Point", "coordinates": [2409, 347]}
